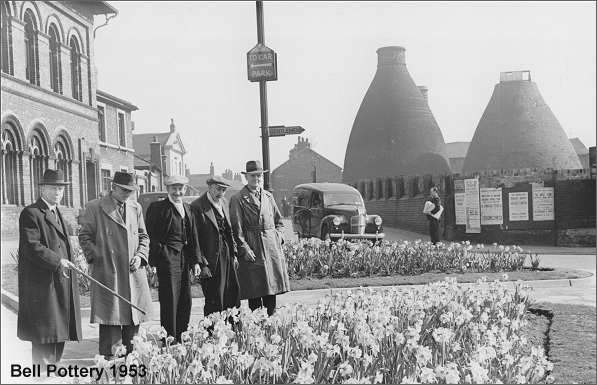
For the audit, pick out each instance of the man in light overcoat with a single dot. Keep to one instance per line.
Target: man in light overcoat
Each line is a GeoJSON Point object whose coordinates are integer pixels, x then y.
{"type": "Point", "coordinates": [49, 311]}
{"type": "Point", "coordinates": [256, 224]}
{"type": "Point", "coordinates": [116, 245]}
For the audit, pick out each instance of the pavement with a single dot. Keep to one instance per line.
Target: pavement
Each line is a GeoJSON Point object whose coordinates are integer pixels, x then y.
{"type": "Point", "coordinates": [579, 291]}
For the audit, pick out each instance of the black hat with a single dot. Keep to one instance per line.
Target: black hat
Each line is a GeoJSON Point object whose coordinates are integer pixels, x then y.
{"type": "Point", "coordinates": [253, 167]}
{"type": "Point", "coordinates": [124, 180]}
{"type": "Point", "coordinates": [216, 179]}
{"type": "Point", "coordinates": [54, 177]}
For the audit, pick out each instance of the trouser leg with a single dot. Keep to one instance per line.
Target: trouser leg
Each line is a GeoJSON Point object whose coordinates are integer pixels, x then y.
{"type": "Point", "coordinates": [47, 353]}
{"type": "Point", "coordinates": [109, 336]}
{"type": "Point", "coordinates": [168, 301]}
{"type": "Point", "coordinates": [255, 303]}
{"type": "Point", "coordinates": [269, 302]}
{"type": "Point", "coordinates": [183, 311]}
{"type": "Point", "coordinates": [128, 332]}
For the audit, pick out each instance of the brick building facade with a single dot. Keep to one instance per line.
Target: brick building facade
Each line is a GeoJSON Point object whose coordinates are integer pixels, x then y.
{"type": "Point", "coordinates": [49, 112]}
{"type": "Point", "coordinates": [304, 165]}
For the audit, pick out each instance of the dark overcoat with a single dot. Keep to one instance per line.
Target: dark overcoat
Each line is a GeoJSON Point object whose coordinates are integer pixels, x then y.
{"type": "Point", "coordinates": [109, 245]}
{"type": "Point", "coordinates": [159, 221]}
{"type": "Point", "coordinates": [48, 302]}
{"type": "Point", "coordinates": [208, 231]}
{"type": "Point", "coordinates": [257, 226]}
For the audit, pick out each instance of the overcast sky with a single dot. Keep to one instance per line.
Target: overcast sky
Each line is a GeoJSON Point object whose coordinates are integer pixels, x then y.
{"type": "Point", "coordinates": [187, 61]}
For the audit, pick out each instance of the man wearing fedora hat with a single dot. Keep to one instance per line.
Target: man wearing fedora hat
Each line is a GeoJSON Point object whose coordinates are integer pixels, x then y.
{"type": "Point", "coordinates": [257, 224]}
{"type": "Point", "coordinates": [219, 279]}
{"type": "Point", "coordinates": [49, 311]}
{"type": "Point", "coordinates": [115, 244]}
{"type": "Point", "coordinates": [173, 251]}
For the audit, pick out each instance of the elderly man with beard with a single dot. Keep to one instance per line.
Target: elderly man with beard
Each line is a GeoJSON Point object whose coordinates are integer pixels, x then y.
{"type": "Point", "coordinates": [49, 312]}
{"type": "Point", "coordinates": [219, 279]}
{"type": "Point", "coordinates": [173, 251]}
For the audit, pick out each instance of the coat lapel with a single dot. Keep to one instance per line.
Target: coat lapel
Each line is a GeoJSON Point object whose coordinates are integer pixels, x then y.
{"type": "Point", "coordinates": [209, 211]}
{"type": "Point", "coordinates": [109, 207]}
{"type": "Point", "coordinates": [49, 217]}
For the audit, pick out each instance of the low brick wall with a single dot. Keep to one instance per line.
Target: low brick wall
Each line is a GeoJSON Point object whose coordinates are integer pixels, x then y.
{"type": "Point", "coordinates": [10, 220]}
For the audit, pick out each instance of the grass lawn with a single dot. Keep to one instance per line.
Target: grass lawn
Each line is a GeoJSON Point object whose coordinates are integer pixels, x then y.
{"type": "Point", "coordinates": [9, 280]}
{"type": "Point", "coordinates": [569, 339]}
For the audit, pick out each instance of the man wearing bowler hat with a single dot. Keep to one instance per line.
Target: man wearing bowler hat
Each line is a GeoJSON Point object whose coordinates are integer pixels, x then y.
{"type": "Point", "coordinates": [257, 224]}
{"type": "Point", "coordinates": [219, 279]}
{"type": "Point", "coordinates": [115, 244]}
{"type": "Point", "coordinates": [173, 250]}
{"type": "Point", "coordinates": [49, 311]}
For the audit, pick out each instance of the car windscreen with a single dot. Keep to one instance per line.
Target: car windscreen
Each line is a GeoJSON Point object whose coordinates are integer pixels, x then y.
{"type": "Point", "coordinates": [342, 198]}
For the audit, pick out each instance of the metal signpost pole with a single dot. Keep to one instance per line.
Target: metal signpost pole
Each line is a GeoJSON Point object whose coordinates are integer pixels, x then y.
{"type": "Point", "coordinates": [263, 102]}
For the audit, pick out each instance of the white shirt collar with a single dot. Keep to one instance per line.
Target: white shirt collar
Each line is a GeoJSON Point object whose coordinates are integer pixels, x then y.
{"type": "Point", "coordinates": [179, 206]}
{"type": "Point", "coordinates": [51, 207]}
{"type": "Point", "coordinates": [217, 205]}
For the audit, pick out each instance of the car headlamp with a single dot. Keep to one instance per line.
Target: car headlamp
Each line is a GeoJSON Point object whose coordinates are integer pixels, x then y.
{"type": "Point", "coordinates": [336, 221]}
{"type": "Point", "coordinates": [378, 221]}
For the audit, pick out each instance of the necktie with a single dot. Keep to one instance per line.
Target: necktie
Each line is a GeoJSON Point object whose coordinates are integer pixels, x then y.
{"type": "Point", "coordinates": [122, 211]}
{"type": "Point", "coordinates": [55, 215]}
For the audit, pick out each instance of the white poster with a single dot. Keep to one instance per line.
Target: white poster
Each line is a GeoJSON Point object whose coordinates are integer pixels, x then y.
{"type": "Point", "coordinates": [518, 204]}
{"type": "Point", "coordinates": [491, 206]}
{"type": "Point", "coordinates": [471, 203]}
{"type": "Point", "coordinates": [459, 208]}
{"type": "Point", "coordinates": [543, 204]}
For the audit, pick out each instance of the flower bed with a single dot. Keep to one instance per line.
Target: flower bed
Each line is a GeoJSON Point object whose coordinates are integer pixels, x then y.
{"type": "Point", "coordinates": [442, 332]}
{"type": "Point", "coordinates": [318, 259]}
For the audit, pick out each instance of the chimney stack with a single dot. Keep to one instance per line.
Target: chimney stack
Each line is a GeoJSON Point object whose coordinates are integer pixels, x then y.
{"type": "Point", "coordinates": [172, 126]}
{"type": "Point", "coordinates": [394, 55]}
{"type": "Point", "coordinates": [211, 169]}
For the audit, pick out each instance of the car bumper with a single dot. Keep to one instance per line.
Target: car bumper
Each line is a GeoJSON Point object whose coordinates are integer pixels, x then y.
{"type": "Point", "coordinates": [357, 236]}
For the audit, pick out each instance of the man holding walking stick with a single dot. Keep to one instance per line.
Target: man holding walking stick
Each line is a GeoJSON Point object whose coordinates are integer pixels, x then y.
{"type": "Point", "coordinates": [115, 244]}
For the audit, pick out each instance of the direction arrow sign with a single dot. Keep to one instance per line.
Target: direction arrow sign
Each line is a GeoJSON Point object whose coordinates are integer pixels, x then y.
{"type": "Point", "coordinates": [284, 130]}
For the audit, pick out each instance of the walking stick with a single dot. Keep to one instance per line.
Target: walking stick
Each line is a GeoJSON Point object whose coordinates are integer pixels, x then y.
{"type": "Point", "coordinates": [107, 288]}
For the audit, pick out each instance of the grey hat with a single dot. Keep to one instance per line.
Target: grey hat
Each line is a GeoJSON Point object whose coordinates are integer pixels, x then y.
{"type": "Point", "coordinates": [176, 179]}
{"type": "Point", "coordinates": [216, 179]}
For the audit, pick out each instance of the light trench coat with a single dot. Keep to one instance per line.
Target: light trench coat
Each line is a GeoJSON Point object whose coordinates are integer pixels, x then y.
{"type": "Point", "coordinates": [257, 226]}
{"type": "Point", "coordinates": [109, 245]}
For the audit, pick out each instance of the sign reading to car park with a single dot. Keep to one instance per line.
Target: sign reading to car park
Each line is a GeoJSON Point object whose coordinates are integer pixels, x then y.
{"type": "Point", "coordinates": [262, 64]}
{"type": "Point", "coordinates": [284, 130]}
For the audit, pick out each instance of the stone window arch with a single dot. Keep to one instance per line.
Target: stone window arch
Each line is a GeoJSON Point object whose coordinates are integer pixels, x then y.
{"type": "Point", "coordinates": [12, 165]}
{"type": "Point", "coordinates": [55, 60]}
{"type": "Point", "coordinates": [7, 63]}
{"type": "Point", "coordinates": [31, 48]}
{"type": "Point", "coordinates": [39, 155]}
{"type": "Point", "coordinates": [75, 68]}
{"type": "Point", "coordinates": [64, 162]}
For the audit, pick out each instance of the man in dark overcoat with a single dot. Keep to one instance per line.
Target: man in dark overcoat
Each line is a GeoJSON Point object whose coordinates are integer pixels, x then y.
{"type": "Point", "coordinates": [116, 244]}
{"type": "Point", "coordinates": [173, 251]}
{"type": "Point", "coordinates": [219, 279]}
{"type": "Point", "coordinates": [257, 227]}
{"type": "Point", "coordinates": [49, 310]}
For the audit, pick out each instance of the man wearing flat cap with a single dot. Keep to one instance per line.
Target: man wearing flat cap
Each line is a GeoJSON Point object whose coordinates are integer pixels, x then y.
{"type": "Point", "coordinates": [116, 244]}
{"type": "Point", "coordinates": [257, 224]}
{"type": "Point", "coordinates": [219, 279]}
{"type": "Point", "coordinates": [173, 251]}
{"type": "Point", "coordinates": [49, 311]}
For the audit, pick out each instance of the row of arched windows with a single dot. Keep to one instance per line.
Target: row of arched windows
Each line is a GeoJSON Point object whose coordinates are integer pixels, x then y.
{"type": "Point", "coordinates": [14, 163]}
{"type": "Point", "coordinates": [32, 53]}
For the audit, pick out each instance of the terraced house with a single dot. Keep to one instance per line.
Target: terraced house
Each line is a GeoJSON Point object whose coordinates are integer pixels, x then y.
{"type": "Point", "coordinates": [49, 105]}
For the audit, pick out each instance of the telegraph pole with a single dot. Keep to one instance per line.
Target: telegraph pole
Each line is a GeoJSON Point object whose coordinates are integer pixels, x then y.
{"type": "Point", "coordinates": [263, 102]}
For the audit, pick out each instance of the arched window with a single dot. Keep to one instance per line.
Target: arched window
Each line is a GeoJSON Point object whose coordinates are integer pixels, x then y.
{"type": "Point", "coordinates": [31, 49]}
{"type": "Point", "coordinates": [38, 153]}
{"type": "Point", "coordinates": [75, 69]}
{"type": "Point", "coordinates": [64, 162]}
{"type": "Point", "coordinates": [11, 165]}
{"type": "Point", "coordinates": [7, 65]}
{"type": "Point", "coordinates": [55, 62]}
